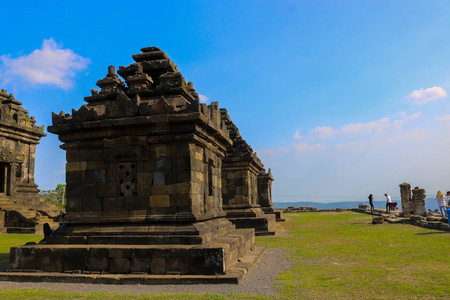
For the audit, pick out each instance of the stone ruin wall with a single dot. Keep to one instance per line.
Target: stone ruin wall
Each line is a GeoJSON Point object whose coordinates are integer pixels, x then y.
{"type": "Point", "coordinates": [158, 169]}
{"type": "Point", "coordinates": [19, 136]}
{"type": "Point", "coordinates": [241, 167]}
{"type": "Point", "coordinates": [21, 207]}
{"type": "Point", "coordinates": [413, 201]}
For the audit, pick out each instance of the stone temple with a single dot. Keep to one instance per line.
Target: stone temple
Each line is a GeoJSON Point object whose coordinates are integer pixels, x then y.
{"type": "Point", "coordinates": [145, 162]}
{"type": "Point", "coordinates": [21, 207]}
{"type": "Point", "coordinates": [240, 174]}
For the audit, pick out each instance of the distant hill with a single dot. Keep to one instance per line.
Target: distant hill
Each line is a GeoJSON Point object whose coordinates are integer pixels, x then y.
{"type": "Point", "coordinates": [430, 204]}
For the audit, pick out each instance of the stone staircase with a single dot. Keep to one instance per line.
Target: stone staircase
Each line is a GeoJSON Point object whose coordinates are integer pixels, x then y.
{"type": "Point", "coordinates": [29, 215]}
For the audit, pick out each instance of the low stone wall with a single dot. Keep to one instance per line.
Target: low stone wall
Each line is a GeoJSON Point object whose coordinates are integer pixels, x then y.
{"type": "Point", "coordinates": [300, 209]}
{"type": "Point", "coordinates": [430, 219]}
{"type": "Point", "coordinates": [292, 209]}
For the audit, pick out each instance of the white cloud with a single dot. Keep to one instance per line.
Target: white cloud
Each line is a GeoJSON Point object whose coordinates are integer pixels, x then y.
{"type": "Point", "coordinates": [423, 96]}
{"type": "Point", "coordinates": [445, 118]}
{"type": "Point", "coordinates": [383, 125]}
{"type": "Point", "coordinates": [357, 137]}
{"type": "Point", "coordinates": [299, 148]}
{"type": "Point", "coordinates": [304, 147]}
{"type": "Point", "coordinates": [352, 146]}
{"type": "Point", "coordinates": [322, 133]}
{"type": "Point", "coordinates": [366, 128]}
{"type": "Point", "coordinates": [401, 114]}
{"type": "Point", "coordinates": [297, 135]}
{"type": "Point", "coordinates": [51, 65]}
{"type": "Point", "coordinates": [203, 98]}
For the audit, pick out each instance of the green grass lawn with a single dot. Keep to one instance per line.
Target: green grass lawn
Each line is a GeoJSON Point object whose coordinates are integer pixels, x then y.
{"type": "Point", "coordinates": [334, 255]}
{"type": "Point", "coordinates": [10, 240]}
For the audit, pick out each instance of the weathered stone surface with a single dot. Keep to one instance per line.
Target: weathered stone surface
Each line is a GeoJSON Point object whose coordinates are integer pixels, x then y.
{"type": "Point", "coordinates": [416, 191]}
{"type": "Point", "coordinates": [145, 160]}
{"type": "Point", "coordinates": [378, 220]}
{"type": "Point", "coordinates": [19, 196]}
{"type": "Point", "coordinates": [420, 210]}
{"type": "Point", "coordinates": [246, 187]}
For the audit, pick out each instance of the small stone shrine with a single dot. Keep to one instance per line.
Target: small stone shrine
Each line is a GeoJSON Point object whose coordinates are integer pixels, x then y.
{"type": "Point", "coordinates": [414, 204]}
{"type": "Point", "coordinates": [21, 207]}
{"type": "Point", "coordinates": [265, 195]}
{"type": "Point", "coordinates": [144, 198]}
{"type": "Point", "coordinates": [240, 169]}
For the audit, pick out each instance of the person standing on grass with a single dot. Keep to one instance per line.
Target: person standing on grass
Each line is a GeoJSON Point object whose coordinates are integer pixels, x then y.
{"type": "Point", "coordinates": [447, 200]}
{"type": "Point", "coordinates": [441, 203]}
{"type": "Point", "coordinates": [388, 202]}
{"type": "Point", "coordinates": [371, 202]}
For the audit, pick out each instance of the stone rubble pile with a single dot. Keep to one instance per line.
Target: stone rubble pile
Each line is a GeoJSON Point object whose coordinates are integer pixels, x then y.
{"type": "Point", "coordinates": [292, 209]}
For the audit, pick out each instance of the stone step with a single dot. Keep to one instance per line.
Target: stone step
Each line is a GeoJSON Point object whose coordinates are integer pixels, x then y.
{"type": "Point", "coordinates": [20, 230]}
{"type": "Point", "coordinates": [272, 231]}
{"type": "Point", "coordinates": [233, 276]}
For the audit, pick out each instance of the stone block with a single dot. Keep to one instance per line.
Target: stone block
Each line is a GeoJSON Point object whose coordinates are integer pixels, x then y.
{"type": "Point", "coordinates": [419, 197]}
{"type": "Point", "coordinates": [183, 163]}
{"type": "Point", "coordinates": [420, 210]}
{"type": "Point", "coordinates": [408, 206]}
{"type": "Point", "coordinates": [158, 178]}
{"type": "Point", "coordinates": [181, 200]}
{"type": "Point", "coordinates": [177, 265]}
{"type": "Point", "coordinates": [378, 220]}
{"type": "Point", "coordinates": [162, 149]}
{"type": "Point", "coordinates": [170, 177]}
{"type": "Point", "coordinates": [418, 191]}
{"type": "Point", "coordinates": [75, 204]}
{"type": "Point", "coordinates": [144, 183]}
{"type": "Point", "coordinates": [198, 156]}
{"type": "Point", "coordinates": [183, 176]}
{"type": "Point", "coordinates": [95, 176]}
{"type": "Point", "coordinates": [75, 156]}
{"type": "Point", "coordinates": [120, 252]}
{"type": "Point", "coordinates": [183, 188]}
{"type": "Point", "coordinates": [76, 260]}
{"type": "Point", "coordinates": [76, 166]}
{"type": "Point", "coordinates": [158, 265]}
{"type": "Point", "coordinates": [115, 203]}
{"type": "Point", "coordinates": [419, 202]}
{"type": "Point", "coordinates": [97, 263]}
{"type": "Point", "coordinates": [141, 264]}
{"type": "Point", "coordinates": [75, 176]}
{"type": "Point", "coordinates": [159, 201]}
{"type": "Point", "coordinates": [96, 165]}
{"type": "Point", "coordinates": [50, 264]}
{"type": "Point", "coordinates": [163, 164]}
{"type": "Point", "coordinates": [160, 190]}
{"type": "Point", "coordinates": [92, 204]}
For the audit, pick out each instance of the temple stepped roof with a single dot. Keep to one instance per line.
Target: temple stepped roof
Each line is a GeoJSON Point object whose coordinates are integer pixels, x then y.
{"type": "Point", "coordinates": [14, 117]}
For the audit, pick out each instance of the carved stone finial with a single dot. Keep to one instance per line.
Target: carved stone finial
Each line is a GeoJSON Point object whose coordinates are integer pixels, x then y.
{"type": "Point", "coordinates": [111, 71]}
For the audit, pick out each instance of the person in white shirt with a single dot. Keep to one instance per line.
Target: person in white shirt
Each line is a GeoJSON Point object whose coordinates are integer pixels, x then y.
{"type": "Point", "coordinates": [388, 202]}
{"type": "Point", "coordinates": [447, 202]}
{"type": "Point", "coordinates": [441, 203]}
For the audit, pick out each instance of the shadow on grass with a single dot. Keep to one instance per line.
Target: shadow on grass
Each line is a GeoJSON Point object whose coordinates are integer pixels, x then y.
{"type": "Point", "coordinates": [429, 233]}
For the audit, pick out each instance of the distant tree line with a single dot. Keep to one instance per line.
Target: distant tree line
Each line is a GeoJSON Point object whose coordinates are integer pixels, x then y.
{"type": "Point", "coordinates": [57, 196]}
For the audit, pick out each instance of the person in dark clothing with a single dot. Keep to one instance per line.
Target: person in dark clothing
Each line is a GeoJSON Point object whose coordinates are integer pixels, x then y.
{"type": "Point", "coordinates": [47, 230]}
{"type": "Point", "coordinates": [371, 202]}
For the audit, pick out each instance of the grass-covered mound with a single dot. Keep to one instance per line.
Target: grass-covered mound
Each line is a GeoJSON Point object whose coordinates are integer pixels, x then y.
{"type": "Point", "coordinates": [334, 255]}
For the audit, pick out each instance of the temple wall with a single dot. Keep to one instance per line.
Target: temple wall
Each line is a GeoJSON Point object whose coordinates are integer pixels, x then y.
{"type": "Point", "coordinates": [153, 179]}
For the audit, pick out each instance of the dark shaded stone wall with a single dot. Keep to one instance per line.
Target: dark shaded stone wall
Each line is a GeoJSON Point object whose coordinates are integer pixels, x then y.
{"type": "Point", "coordinates": [19, 136]}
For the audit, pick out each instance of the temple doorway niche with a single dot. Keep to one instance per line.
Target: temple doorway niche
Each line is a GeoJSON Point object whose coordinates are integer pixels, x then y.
{"type": "Point", "coordinates": [5, 171]}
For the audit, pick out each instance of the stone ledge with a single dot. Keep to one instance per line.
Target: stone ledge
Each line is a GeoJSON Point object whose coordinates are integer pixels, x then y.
{"type": "Point", "coordinates": [272, 231]}
{"type": "Point", "coordinates": [234, 276]}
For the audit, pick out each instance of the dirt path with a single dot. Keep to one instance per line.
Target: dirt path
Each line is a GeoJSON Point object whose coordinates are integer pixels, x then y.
{"type": "Point", "coordinates": [261, 281]}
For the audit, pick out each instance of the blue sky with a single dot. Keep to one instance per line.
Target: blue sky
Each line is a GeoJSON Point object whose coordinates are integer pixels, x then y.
{"type": "Point", "coordinates": [339, 98]}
